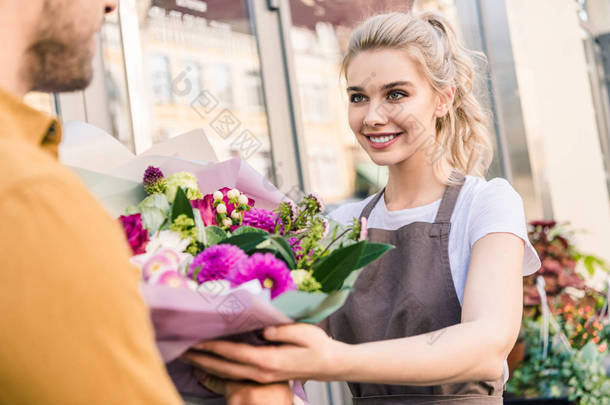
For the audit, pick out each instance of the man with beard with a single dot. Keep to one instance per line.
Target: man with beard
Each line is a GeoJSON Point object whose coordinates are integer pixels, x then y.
{"type": "Point", "coordinates": [74, 328]}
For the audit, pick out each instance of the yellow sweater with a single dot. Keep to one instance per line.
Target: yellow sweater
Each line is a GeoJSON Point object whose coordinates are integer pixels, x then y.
{"type": "Point", "coordinates": [73, 327]}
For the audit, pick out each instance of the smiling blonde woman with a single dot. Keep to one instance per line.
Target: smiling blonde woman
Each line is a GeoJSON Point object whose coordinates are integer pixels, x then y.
{"type": "Point", "coordinates": [434, 319]}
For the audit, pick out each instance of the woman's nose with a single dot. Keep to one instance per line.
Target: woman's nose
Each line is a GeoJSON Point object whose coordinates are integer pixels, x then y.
{"type": "Point", "coordinates": [375, 116]}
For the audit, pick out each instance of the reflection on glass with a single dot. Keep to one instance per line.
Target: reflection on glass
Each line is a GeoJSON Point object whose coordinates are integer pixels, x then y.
{"type": "Point", "coordinates": [202, 69]}
{"type": "Point", "coordinates": [116, 87]}
{"type": "Point", "coordinates": [160, 80]}
{"type": "Point", "coordinates": [199, 68]}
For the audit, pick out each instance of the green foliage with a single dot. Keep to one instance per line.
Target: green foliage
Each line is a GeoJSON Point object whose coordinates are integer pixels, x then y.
{"type": "Point", "coordinates": [566, 371]}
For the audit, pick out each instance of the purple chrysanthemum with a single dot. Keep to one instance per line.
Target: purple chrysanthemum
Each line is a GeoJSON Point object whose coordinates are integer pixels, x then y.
{"type": "Point", "coordinates": [153, 180]}
{"type": "Point", "coordinates": [272, 273]}
{"type": "Point", "coordinates": [261, 219]}
{"type": "Point", "coordinates": [218, 262]}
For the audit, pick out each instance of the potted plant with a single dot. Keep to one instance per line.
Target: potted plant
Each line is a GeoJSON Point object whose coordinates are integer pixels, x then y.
{"type": "Point", "coordinates": [565, 332]}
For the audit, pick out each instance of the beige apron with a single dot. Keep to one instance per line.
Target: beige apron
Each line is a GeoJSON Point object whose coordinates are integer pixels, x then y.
{"type": "Point", "coordinates": [408, 292]}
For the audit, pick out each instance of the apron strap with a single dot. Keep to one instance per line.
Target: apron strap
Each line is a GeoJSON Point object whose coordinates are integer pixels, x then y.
{"type": "Point", "coordinates": [444, 211]}
{"type": "Point", "coordinates": [450, 197]}
{"type": "Point", "coordinates": [369, 207]}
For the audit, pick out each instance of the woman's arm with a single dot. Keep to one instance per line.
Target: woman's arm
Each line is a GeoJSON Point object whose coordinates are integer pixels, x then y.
{"type": "Point", "coordinates": [473, 350]}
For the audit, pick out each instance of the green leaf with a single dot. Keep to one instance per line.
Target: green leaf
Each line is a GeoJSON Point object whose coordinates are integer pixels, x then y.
{"type": "Point", "coordinates": [589, 264]}
{"type": "Point", "coordinates": [278, 246]}
{"type": "Point", "coordinates": [181, 206]}
{"type": "Point", "coordinates": [154, 210]}
{"type": "Point", "coordinates": [372, 252]}
{"type": "Point", "coordinates": [200, 226]}
{"type": "Point", "coordinates": [213, 235]}
{"type": "Point", "coordinates": [333, 269]}
{"type": "Point", "coordinates": [248, 229]}
{"type": "Point", "coordinates": [247, 241]}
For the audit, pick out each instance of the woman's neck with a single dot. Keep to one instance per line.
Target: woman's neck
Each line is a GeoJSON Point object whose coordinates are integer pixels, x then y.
{"type": "Point", "coordinates": [411, 184]}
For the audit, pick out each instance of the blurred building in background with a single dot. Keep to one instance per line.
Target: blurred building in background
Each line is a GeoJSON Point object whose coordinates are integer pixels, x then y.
{"type": "Point", "coordinates": [261, 77]}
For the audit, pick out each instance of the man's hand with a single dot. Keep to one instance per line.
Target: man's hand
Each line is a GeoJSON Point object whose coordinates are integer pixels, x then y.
{"type": "Point", "coordinates": [247, 393]}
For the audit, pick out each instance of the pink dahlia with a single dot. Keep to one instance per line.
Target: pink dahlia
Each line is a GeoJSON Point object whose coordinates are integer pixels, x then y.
{"type": "Point", "coordinates": [218, 262]}
{"type": "Point", "coordinates": [261, 219]}
{"type": "Point", "coordinates": [136, 235]}
{"type": "Point", "coordinates": [272, 273]}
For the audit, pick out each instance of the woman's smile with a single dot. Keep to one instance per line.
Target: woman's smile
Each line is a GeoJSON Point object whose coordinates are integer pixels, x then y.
{"type": "Point", "coordinates": [382, 140]}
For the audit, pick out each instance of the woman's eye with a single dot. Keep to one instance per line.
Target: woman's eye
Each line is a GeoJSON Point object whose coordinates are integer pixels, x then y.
{"type": "Point", "coordinates": [396, 95]}
{"type": "Point", "coordinates": [356, 98]}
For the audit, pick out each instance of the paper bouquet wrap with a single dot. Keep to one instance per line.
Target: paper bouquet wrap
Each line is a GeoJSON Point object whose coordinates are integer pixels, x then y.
{"type": "Point", "coordinates": [223, 253]}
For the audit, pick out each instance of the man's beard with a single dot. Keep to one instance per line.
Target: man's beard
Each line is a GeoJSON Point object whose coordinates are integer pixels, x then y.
{"type": "Point", "coordinates": [57, 61]}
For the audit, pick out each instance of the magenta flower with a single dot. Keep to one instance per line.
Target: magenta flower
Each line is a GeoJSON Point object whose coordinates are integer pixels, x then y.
{"type": "Point", "coordinates": [218, 262]}
{"type": "Point", "coordinates": [261, 219]}
{"type": "Point", "coordinates": [295, 244]}
{"type": "Point", "coordinates": [205, 206]}
{"type": "Point", "coordinates": [272, 273]}
{"type": "Point", "coordinates": [136, 235]}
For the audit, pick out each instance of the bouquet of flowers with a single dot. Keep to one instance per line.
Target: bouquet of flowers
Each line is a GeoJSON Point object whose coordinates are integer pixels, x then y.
{"type": "Point", "coordinates": [222, 252]}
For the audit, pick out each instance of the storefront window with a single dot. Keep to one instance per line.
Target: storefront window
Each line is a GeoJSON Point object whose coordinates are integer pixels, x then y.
{"type": "Point", "coordinates": [197, 66]}
{"type": "Point", "coordinates": [115, 81]}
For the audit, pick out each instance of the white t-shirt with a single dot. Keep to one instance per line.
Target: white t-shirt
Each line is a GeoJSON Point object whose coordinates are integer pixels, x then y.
{"type": "Point", "coordinates": [483, 207]}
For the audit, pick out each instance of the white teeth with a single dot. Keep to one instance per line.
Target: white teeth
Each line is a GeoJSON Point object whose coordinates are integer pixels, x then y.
{"type": "Point", "coordinates": [381, 139]}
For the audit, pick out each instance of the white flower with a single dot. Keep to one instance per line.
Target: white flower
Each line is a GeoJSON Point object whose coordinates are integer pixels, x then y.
{"type": "Point", "coordinates": [218, 195]}
{"type": "Point", "coordinates": [221, 209]}
{"type": "Point", "coordinates": [298, 276]}
{"type": "Point", "coordinates": [167, 239]}
{"type": "Point", "coordinates": [234, 193]}
{"type": "Point", "coordinates": [243, 199]}
{"type": "Point", "coordinates": [227, 222]}
{"type": "Point", "coordinates": [235, 215]}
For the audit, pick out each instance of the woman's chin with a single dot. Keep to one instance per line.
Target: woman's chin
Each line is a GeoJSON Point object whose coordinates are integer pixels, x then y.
{"type": "Point", "coordinates": [385, 160]}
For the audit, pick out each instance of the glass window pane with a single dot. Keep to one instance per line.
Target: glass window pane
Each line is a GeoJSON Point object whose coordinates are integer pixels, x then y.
{"type": "Point", "coordinates": [209, 55]}
{"type": "Point", "coordinates": [200, 69]}
{"type": "Point", "coordinates": [116, 85]}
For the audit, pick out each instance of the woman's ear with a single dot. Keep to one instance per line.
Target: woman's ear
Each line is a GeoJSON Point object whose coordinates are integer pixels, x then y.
{"type": "Point", "coordinates": [445, 101]}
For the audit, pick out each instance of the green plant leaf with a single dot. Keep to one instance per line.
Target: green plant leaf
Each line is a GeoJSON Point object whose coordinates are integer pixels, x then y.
{"type": "Point", "coordinates": [333, 269]}
{"type": "Point", "coordinates": [247, 241]}
{"type": "Point", "coordinates": [248, 229]}
{"type": "Point", "coordinates": [372, 252]}
{"type": "Point", "coordinates": [154, 210]}
{"type": "Point", "coordinates": [213, 235]}
{"type": "Point", "coordinates": [181, 206]}
{"type": "Point", "coordinates": [280, 248]}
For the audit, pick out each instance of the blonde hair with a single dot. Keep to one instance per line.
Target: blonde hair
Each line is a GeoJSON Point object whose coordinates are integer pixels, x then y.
{"type": "Point", "coordinates": [461, 142]}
